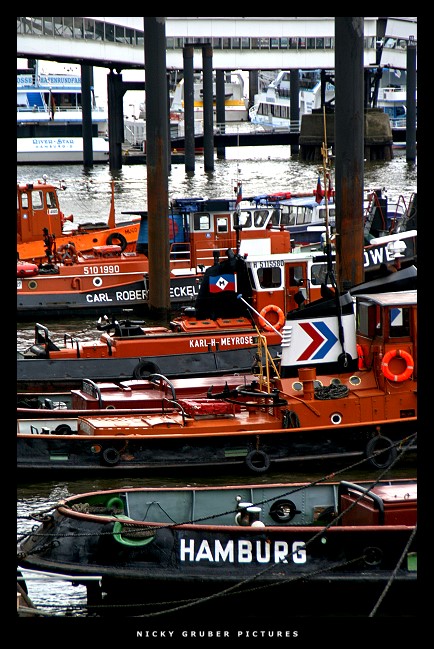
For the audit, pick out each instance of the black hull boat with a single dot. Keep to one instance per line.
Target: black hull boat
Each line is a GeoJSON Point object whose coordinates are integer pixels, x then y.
{"type": "Point", "coordinates": [128, 446]}
{"type": "Point", "coordinates": [257, 552]}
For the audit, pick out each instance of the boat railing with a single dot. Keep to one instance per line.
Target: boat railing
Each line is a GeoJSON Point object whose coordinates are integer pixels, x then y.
{"type": "Point", "coordinates": [162, 381]}
{"type": "Point", "coordinates": [167, 404]}
{"type": "Point", "coordinates": [68, 338]}
{"type": "Point", "coordinates": [398, 123]}
{"type": "Point", "coordinates": [91, 388]}
{"type": "Point", "coordinates": [180, 253]}
{"type": "Point", "coordinates": [261, 125]}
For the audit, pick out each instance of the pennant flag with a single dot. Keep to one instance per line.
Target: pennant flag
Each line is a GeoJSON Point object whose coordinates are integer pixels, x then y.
{"type": "Point", "coordinates": [239, 193]}
{"type": "Point", "coordinates": [220, 283]}
{"type": "Point", "coordinates": [319, 192]}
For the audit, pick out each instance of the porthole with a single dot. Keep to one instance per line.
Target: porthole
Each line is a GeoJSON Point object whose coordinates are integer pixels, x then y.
{"type": "Point", "coordinates": [97, 281]}
{"type": "Point", "coordinates": [355, 380]}
{"type": "Point", "coordinates": [336, 418]}
{"type": "Point", "coordinates": [283, 511]}
{"type": "Point", "coordinates": [32, 284]}
{"type": "Point", "coordinates": [297, 386]}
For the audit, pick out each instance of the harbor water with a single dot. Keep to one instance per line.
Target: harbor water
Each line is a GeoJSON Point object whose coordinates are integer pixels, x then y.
{"type": "Point", "coordinates": [87, 198]}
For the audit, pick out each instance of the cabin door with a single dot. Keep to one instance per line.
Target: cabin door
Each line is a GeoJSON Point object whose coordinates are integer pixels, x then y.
{"type": "Point", "coordinates": [210, 237]}
{"type": "Point", "coordinates": [296, 284]}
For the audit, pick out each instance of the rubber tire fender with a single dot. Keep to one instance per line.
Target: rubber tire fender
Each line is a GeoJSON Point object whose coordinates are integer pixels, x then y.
{"type": "Point", "coordinates": [144, 368]}
{"type": "Point", "coordinates": [254, 456]}
{"type": "Point", "coordinates": [110, 456]}
{"type": "Point", "coordinates": [383, 460]}
{"type": "Point", "coordinates": [117, 239]}
{"type": "Point", "coordinates": [63, 429]}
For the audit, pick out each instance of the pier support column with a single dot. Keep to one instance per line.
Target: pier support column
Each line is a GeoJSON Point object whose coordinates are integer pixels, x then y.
{"type": "Point", "coordinates": [86, 106]}
{"type": "Point", "coordinates": [220, 109]}
{"type": "Point", "coordinates": [349, 143]}
{"type": "Point", "coordinates": [253, 86]}
{"type": "Point", "coordinates": [294, 106]}
{"type": "Point", "coordinates": [208, 117]}
{"type": "Point", "coordinates": [188, 53]}
{"type": "Point", "coordinates": [115, 95]}
{"type": "Point", "coordinates": [411, 101]}
{"type": "Point", "coordinates": [157, 165]}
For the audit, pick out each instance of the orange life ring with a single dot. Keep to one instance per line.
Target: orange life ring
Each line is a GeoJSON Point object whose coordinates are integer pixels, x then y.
{"type": "Point", "coordinates": [406, 373]}
{"type": "Point", "coordinates": [67, 252]}
{"type": "Point", "coordinates": [280, 315]}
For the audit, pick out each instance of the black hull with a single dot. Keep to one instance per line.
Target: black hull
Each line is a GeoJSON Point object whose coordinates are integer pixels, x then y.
{"type": "Point", "coordinates": [339, 577]}
{"type": "Point", "coordinates": [133, 297]}
{"type": "Point", "coordinates": [69, 373]}
{"type": "Point", "coordinates": [72, 455]}
{"type": "Point", "coordinates": [339, 595]}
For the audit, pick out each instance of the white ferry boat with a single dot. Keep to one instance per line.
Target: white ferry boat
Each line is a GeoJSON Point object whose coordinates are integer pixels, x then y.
{"type": "Point", "coordinates": [49, 119]}
{"type": "Point", "coordinates": [271, 107]}
{"type": "Point", "coordinates": [236, 101]}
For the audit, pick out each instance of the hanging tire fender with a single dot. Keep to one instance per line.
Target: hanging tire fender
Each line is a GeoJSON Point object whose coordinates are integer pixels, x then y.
{"type": "Point", "coordinates": [144, 368]}
{"type": "Point", "coordinates": [257, 461]}
{"type": "Point", "coordinates": [384, 459]}
{"type": "Point", "coordinates": [117, 239]}
{"type": "Point", "coordinates": [110, 456]}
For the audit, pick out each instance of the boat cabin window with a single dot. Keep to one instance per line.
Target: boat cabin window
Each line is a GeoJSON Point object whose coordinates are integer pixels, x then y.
{"type": "Point", "coordinates": [24, 200]}
{"type": "Point", "coordinates": [269, 277]}
{"type": "Point", "coordinates": [318, 273]}
{"type": "Point", "coordinates": [260, 218]}
{"type": "Point", "coordinates": [51, 200]}
{"type": "Point", "coordinates": [296, 276]}
{"type": "Point", "coordinates": [222, 224]}
{"type": "Point", "coordinates": [285, 218]}
{"type": "Point", "coordinates": [322, 213]}
{"type": "Point", "coordinates": [37, 200]}
{"type": "Point", "coordinates": [275, 217]}
{"type": "Point", "coordinates": [201, 222]}
{"type": "Point", "coordinates": [244, 219]}
{"type": "Point", "coordinates": [289, 216]}
{"type": "Point", "coordinates": [304, 215]}
{"type": "Point", "coordinates": [399, 322]}
{"type": "Point", "coordinates": [367, 319]}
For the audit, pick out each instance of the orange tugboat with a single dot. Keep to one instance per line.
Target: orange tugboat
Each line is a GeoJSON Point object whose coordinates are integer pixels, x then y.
{"type": "Point", "coordinates": [44, 232]}
{"type": "Point", "coordinates": [96, 269]}
{"type": "Point", "coordinates": [347, 387]}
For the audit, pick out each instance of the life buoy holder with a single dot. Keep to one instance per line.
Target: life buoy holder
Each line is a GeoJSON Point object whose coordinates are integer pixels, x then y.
{"type": "Point", "coordinates": [258, 461]}
{"type": "Point", "coordinates": [119, 240]}
{"type": "Point", "coordinates": [406, 373]}
{"type": "Point", "coordinates": [272, 308]}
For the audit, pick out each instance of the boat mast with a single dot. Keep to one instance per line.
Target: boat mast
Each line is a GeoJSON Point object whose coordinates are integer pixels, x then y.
{"type": "Point", "coordinates": [330, 277]}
